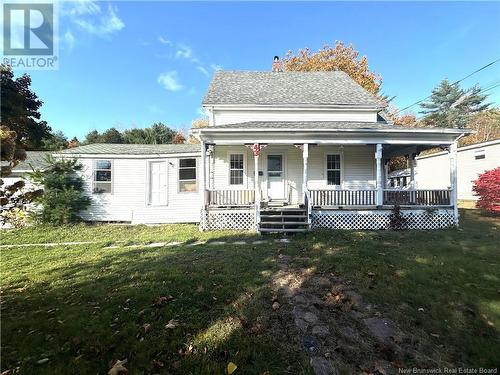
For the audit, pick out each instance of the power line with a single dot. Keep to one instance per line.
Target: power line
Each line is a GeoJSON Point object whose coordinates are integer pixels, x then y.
{"type": "Point", "coordinates": [454, 83]}
{"type": "Point", "coordinates": [491, 88]}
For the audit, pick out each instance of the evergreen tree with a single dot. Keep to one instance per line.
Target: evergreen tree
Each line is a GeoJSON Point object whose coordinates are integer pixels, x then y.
{"type": "Point", "coordinates": [63, 197]}
{"type": "Point", "coordinates": [450, 106]}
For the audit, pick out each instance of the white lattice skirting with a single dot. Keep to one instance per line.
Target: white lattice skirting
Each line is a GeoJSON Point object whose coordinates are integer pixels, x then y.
{"type": "Point", "coordinates": [220, 219]}
{"type": "Point", "coordinates": [380, 219]}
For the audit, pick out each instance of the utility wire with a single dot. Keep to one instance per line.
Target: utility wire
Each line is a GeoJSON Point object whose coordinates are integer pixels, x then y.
{"type": "Point", "coordinates": [454, 83]}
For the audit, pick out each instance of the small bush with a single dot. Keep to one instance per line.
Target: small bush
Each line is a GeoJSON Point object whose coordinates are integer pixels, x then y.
{"type": "Point", "coordinates": [487, 187]}
{"type": "Point", "coordinates": [396, 219]}
{"type": "Point", "coordinates": [63, 197]}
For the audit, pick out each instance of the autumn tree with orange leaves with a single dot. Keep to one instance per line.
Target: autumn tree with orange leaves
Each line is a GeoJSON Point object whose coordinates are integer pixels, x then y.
{"type": "Point", "coordinates": [339, 57]}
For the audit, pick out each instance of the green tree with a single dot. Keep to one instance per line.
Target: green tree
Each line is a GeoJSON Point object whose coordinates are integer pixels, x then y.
{"type": "Point", "coordinates": [63, 197]}
{"type": "Point", "coordinates": [112, 136]}
{"type": "Point", "coordinates": [134, 136]}
{"type": "Point", "coordinates": [450, 106]}
{"type": "Point", "coordinates": [55, 142]}
{"type": "Point", "coordinates": [159, 133]}
{"type": "Point", "coordinates": [20, 127]}
{"type": "Point", "coordinates": [93, 137]}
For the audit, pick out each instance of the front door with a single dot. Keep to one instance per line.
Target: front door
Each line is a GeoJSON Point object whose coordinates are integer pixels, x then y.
{"type": "Point", "coordinates": [275, 177]}
{"type": "Point", "coordinates": [158, 183]}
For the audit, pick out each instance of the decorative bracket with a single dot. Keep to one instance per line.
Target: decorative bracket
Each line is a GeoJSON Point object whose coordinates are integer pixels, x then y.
{"type": "Point", "coordinates": [256, 148]}
{"type": "Point", "coordinates": [210, 149]}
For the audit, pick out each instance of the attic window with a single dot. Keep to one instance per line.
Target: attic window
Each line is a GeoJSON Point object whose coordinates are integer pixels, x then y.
{"type": "Point", "coordinates": [480, 154]}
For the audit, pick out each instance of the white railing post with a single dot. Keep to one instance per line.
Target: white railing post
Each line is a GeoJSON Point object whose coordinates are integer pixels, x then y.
{"type": "Point", "coordinates": [305, 191]}
{"type": "Point", "coordinates": [453, 180]}
{"type": "Point", "coordinates": [380, 188]}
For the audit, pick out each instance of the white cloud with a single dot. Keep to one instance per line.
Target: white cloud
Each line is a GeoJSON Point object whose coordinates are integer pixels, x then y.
{"type": "Point", "coordinates": [162, 40]}
{"type": "Point", "coordinates": [68, 40]}
{"type": "Point", "coordinates": [216, 66]}
{"type": "Point", "coordinates": [184, 52]}
{"type": "Point", "coordinates": [170, 81]}
{"type": "Point", "coordinates": [106, 23]}
{"type": "Point", "coordinates": [90, 17]}
{"type": "Point", "coordinates": [203, 70]}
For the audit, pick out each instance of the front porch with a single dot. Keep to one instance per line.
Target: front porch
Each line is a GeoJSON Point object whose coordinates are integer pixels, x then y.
{"type": "Point", "coordinates": [305, 188]}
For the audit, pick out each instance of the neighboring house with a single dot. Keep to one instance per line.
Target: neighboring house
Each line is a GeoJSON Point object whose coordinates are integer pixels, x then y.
{"type": "Point", "coordinates": [34, 160]}
{"type": "Point", "coordinates": [471, 162]}
{"type": "Point", "coordinates": [400, 178]}
{"type": "Point", "coordinates": [284, 151]}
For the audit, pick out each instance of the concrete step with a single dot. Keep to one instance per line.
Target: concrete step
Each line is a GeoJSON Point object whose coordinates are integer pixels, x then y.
{"type": "Point", "coordinates": [281, 230]}
{"type": "Point", "coordinates": [281, 223]}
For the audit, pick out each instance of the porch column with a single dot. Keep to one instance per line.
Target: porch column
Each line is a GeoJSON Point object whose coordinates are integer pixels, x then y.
{"type": "Point", "coordinates": [453, 180]}
{"type": "Point", "coordinates": [411, 161]}
{"type": "Point", "coordinates": [256, 148]}
{"type": "Point", "coordinates": [305, 156]}
{"type": "Point", "coordinates": [202, 171]}
{"type": "Point", "coordinates": [380, 192]}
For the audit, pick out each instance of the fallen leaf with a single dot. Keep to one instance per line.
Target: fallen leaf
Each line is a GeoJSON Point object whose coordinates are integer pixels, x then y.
{"type": "Point", "coordinates": [42, 361]}
{"type": "Point", "coordinates": [172, 323]}
{"type": "Point", "coordinates": [118, 368]}
{"type": "Point", "coordinates": [146, 327]}
{"type": "Point", "coordinates": [160, 301]}
{"type": "Point", "coordinates": [200, 289]}
{"type": "Point", "coordinates": [371, 274]}
{"type": "Point", "coordinates": [231, 367]}
{"type": "Point", "coordinates": [276, 306]}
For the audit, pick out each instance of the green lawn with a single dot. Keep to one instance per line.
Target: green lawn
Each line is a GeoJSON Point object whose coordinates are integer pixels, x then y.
{"type": "Point", "coordinates": [83, 306]}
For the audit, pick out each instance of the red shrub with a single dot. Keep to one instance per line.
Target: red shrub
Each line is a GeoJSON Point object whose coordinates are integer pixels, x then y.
{"type": "Point", "coordinates": [487, 187]}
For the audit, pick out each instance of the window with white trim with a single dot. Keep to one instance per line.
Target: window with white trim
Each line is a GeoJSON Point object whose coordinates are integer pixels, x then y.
{"type": "Point", "coordinates": [333, 169]}
{"type": "Point", "coordinates": [187, 175]}
{"type": "Point", "coordinates": [102, 177]}
{"type": "Point", "coordinates": [236, 169]}
{"type": "Point", "coordinates": [479, 154]}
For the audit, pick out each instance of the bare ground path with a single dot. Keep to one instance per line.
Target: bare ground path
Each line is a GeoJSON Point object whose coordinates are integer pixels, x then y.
{"type": "Point", "coordinates": [338, 330]}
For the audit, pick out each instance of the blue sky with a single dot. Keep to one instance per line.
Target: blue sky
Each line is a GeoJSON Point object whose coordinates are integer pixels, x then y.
{"type": "Point", "coordinates": [130, 64]}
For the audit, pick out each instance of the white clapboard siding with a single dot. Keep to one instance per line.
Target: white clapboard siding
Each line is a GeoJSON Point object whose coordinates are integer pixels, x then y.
{"type": "Point", "coordinates": [358, 168]}
{"type": "Point", "coordinates": [129, 200]}
{"type": "Point", "coordinates": [433, 171]}
{"type": "Point", "coordinates": [228, 116]}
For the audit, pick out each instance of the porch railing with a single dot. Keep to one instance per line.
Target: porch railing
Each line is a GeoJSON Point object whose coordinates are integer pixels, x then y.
{"type": "Point", "coordinates": [417, 197]}
{"type": "Point", "coordinates": [343, 197]}
{"type": "Point", "coordinates": [230, 197]}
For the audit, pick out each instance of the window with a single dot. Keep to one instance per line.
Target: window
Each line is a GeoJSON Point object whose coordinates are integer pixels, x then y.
{"type": "Point", "coordinates": [479, 154]}
{"type": "Point", "coordinates": [236, 169]}
{"type": "Point", "coordinates": [102, 181]}
{"type": "Point", "coordinates": [187, 175]}
{"type": "Point", "coordinates": [333, 169]}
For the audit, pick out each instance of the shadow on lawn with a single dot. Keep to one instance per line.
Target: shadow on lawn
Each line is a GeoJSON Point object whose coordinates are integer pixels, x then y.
{"type": "Point", "coordinates": [100, 310]}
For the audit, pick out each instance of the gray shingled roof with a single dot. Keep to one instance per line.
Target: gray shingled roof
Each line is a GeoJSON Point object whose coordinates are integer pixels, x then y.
{"type": "Point", "coordinates": [35, 159]}
{"type": "Point", "coordinates": [305, 125]}
{"type": "Point", "coordinates": [287, 88]}
{"type": "Point", "coordinates": [134, 149]}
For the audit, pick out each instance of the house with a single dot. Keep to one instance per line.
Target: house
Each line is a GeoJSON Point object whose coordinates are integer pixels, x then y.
{"type": "Point", "coordinates": [400, 178]}
{"type": "Point", "coordinates": [284, 151]}
{"type": "Point", "coordinates": [141, 183]}
{"type": "Point", "coordinates": [471, 162]}
{"type": "Point", "coordinates": [34, 160]}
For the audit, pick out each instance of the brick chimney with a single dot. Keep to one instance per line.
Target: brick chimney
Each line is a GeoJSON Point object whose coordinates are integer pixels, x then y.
{"type": "Point", "coordinates": [277, 64]}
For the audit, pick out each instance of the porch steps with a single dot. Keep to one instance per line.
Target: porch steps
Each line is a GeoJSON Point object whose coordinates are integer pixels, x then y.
{"type": "Point", "coordinates": [283, 220]}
